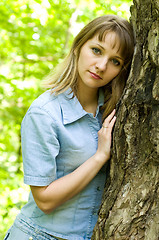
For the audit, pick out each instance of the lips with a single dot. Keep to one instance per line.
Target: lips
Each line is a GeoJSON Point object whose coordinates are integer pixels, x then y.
{"type": "Point", "coordinates": [94, 75]}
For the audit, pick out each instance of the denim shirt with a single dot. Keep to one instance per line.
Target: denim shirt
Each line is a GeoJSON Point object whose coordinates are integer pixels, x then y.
{"type": "Point", "coordinates": [58, 135]}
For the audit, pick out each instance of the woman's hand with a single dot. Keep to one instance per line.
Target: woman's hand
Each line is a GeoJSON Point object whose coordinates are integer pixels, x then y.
{"type": "Point", "coordinates": [104, 137]}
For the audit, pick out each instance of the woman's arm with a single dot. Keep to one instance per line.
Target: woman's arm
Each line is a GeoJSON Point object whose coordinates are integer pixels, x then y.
{"type": "Point", "coordinates": [59, 191]}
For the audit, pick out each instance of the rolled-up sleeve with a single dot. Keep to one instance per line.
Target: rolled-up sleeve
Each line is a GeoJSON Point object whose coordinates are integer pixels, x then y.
{"type": "Point", "coordinates": [40, 146]}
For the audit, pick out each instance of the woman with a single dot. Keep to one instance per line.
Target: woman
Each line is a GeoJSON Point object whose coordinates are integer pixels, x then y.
{"type": "Point", "coordinates": [64, 144]}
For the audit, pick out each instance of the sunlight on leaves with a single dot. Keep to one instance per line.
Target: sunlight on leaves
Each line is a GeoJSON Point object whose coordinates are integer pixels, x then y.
{"type": "Point", "coordinates": [35, 36]}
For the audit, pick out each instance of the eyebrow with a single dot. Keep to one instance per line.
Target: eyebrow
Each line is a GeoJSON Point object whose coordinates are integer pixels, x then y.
{"type": "Point", "coordinates": [104, 49]}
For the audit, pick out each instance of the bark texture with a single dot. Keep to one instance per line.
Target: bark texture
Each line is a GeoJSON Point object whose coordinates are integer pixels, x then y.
{"type": "Point", "coordinates": [130, 206]}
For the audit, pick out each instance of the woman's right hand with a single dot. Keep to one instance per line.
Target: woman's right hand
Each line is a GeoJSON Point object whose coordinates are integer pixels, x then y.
{"type": "Point", "coordinates": [104, 137]}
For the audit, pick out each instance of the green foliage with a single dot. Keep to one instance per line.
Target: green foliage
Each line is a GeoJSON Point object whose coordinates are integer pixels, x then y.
{"type": "Point", "coordinates": [35, 36]}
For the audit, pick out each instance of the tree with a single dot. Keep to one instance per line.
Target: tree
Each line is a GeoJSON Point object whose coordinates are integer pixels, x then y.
{"type": "Point", "coordinates": [130, 205]}
{"type": "Point", "coordinates": [35, 36]}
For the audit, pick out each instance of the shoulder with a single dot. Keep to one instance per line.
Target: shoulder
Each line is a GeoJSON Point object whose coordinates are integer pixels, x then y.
{"type": "Point", "coordinates": [55, 107]}
{"type": "Point", "coordinates": [44, 99]}
{"type": "Point", "coordinates": [47, 102]}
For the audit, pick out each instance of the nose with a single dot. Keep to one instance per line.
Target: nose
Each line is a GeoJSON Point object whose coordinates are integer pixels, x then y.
{"type": "Point", "coordinates": [102, 64]}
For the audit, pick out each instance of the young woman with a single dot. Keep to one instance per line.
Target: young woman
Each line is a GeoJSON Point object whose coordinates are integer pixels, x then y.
{"type": "Point", "coordinates": [66, 135]}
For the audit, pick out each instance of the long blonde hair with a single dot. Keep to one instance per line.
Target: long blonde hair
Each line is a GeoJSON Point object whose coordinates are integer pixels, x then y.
{"type": "Point", "coordinates": [66, 74]}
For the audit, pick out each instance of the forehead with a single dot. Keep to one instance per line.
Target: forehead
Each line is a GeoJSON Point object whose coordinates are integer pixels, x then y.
{"type": "Point", "coordinates": [109, 39]}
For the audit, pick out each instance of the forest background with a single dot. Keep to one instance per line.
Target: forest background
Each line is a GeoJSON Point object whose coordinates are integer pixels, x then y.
{"type": "Point", "coordinates": [35, 36]}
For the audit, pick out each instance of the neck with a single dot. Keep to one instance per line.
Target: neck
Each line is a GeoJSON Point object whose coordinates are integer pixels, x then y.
{"type": "Point", "coordinates": [88, 98]}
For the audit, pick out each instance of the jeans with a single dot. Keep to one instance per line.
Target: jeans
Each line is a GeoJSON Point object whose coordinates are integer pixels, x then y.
{"type": "Point", "coordinates": [26, 232]}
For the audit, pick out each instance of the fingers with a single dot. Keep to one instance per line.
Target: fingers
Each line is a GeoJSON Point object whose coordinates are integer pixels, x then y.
{"type": "Point", "coordinates": [110, 120]}
{"type": "Point", "coordinates": [105, 136]}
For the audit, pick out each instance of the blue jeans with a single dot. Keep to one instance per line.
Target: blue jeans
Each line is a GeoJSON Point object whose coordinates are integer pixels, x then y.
{"type": "Point", "coordinates": [26, 232]}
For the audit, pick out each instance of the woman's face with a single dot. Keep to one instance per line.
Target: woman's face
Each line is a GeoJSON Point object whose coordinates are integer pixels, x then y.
{"type": "Point", "coordinates": [99, 61]}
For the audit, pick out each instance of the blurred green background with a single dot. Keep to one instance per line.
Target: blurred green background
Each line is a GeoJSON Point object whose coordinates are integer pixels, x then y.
{"type": "Point", "coordinates": [34, 36]}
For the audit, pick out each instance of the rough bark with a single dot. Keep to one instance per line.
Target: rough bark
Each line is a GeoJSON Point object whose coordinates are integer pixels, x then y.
{"type": "Point", "coordinates": [130, 205]}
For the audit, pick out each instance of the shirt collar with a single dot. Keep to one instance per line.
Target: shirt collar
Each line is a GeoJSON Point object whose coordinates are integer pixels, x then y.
{"type": "Point", "coordinates": [71, 107]}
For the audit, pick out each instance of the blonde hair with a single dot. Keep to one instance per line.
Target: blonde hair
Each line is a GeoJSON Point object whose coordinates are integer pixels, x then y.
{"type": "Point", "coordinates": [66, 74]}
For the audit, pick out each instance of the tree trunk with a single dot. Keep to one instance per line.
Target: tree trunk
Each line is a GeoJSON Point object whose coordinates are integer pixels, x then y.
{"type": "Point", "coordinates": [130, 205]}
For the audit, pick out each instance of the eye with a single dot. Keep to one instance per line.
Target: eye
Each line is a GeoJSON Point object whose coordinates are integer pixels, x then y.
{"type": "Point", "coordinates": [97, 51]}
{"type": "Point", "coordinates": [116, 62]}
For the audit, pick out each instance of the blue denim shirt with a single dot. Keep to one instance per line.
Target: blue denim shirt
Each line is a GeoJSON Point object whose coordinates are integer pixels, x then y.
{"type": "Point", "coordinates": [58, 135]}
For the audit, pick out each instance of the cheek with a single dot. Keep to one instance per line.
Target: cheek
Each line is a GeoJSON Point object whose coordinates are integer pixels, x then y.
{"type": "Point", "coordinates": [82, 61]}
{"type": "Point", "coordinates": [111, 73]}
{"type": "Point", "coordinates": [80, 65]}
{"type": "Point", "coordinates": [115, 71]}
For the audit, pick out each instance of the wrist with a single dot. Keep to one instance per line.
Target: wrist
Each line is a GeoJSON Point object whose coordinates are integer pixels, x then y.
{"type": "Point", "coordinates": [101, 158]}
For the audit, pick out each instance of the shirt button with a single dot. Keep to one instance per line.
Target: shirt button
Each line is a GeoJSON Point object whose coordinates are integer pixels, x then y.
{"type": "Point", "coordinates": [98, 189]}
